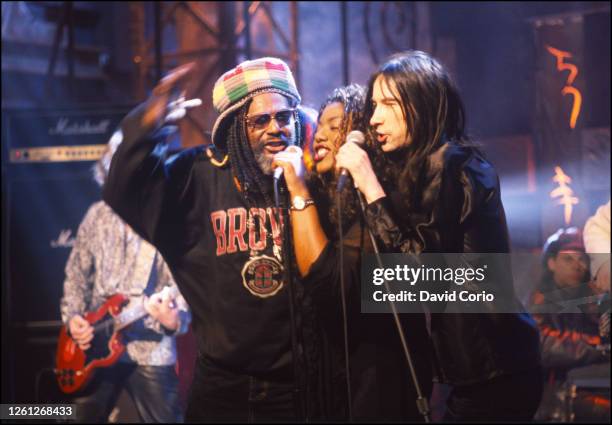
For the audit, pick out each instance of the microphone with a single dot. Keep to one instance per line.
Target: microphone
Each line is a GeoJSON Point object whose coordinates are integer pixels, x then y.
{"type": "Point", "coordinates": [358, 138]}
{"type": "Point", "coordinates": [293, 149]}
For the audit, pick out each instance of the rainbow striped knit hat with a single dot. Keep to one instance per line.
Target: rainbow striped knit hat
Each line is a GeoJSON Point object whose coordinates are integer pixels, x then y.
{"type": "Point", "coordinates": [247, 80]}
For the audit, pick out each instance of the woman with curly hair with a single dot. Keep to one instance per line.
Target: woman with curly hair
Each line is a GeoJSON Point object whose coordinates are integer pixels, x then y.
{"type": "Point", "coordinates": [340, 113]}
{"type": "Point", "coordinates": [380, 384]}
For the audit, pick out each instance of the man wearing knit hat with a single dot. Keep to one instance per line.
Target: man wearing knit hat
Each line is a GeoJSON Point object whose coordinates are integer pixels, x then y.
{"type": "Point", "coordinates": [210, 212]}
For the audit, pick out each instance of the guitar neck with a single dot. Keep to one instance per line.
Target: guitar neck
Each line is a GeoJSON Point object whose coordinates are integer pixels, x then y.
{"type": "Point", "coordinates": [129, 316]}
{"type": "Point", "coordinates": [132, 314]}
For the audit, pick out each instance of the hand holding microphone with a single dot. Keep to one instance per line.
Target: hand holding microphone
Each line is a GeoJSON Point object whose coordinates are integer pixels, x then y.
{"type": "Point", "coordinates": [290, 164]}
{"type": "Point", "coordinates": [351, 158]}
{"type": "Point", "coordinates": [357, 138]}
{"type": "Point", "coordinates": [293, 155]}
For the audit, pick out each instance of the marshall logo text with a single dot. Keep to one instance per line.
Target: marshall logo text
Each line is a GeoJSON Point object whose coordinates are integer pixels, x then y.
{"type": "Point", "coordinates": [64, 127]}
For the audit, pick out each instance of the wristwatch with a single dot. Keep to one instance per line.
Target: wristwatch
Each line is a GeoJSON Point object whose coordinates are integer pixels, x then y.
{"type": "Point", "coordinates": [298, 203]}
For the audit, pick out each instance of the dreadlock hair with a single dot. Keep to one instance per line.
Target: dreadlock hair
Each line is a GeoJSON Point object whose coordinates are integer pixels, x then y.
{"type": "Point", "coordinates": [433, 112]}
{"type": "Point", "coordinates": [352, 97]}
{"type": "Point", "coordinates": [253, 183]}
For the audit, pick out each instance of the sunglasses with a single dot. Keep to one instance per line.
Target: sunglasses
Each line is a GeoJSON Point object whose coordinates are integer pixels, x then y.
{"type": "Point", "coordinates": [262, 121]}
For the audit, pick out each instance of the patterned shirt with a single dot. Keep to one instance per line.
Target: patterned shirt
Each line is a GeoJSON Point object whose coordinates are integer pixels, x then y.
{"type": "Point", "coordinates": [109, 258]}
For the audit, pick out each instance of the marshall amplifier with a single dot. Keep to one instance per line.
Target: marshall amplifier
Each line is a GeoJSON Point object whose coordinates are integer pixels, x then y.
{"type": "Point", "coordinates": [47, 187]}
{"type": "Point", "coordinates": [47, 161]}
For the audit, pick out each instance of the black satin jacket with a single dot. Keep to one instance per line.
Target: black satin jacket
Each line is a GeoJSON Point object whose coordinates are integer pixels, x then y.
{"type": "Point", "coordinates": [568, 340]}
{"type": "Point", "coordinates": [460, 210]}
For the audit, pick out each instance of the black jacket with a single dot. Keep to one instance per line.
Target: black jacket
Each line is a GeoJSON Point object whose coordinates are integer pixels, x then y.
{"type": "Point", "coordinates": [568, 340]}
{"type": "Point", "coordinates": [460, 210]}
{"type": "Point", "coordinates": [381, 384]}
{"type": "Point", "coordinates": [193, 212]}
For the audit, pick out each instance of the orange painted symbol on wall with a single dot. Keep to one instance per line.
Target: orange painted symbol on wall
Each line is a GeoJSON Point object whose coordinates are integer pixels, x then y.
{"type": "Point", "coordinates": [568, 89]}
{"type": "Point", "coordinates": [564, 193]}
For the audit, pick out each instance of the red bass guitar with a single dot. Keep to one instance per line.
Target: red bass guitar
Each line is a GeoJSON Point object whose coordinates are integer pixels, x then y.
{"type": "Point", "coordinates": [75, 367]}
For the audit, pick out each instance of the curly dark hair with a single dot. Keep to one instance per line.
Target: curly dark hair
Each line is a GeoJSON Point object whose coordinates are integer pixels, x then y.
{"type": "Point", "coordinates": [433, 112]}
{"type": "Point", "coordinates": [352, 97]}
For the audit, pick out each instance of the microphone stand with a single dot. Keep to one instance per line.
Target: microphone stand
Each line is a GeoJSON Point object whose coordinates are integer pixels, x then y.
{"type": "Point", "coordinates": [344, 311]}
{"type": "Point", "coordinates": [299, 394]}
{"type": "Point", "coordinates": [421, 401]}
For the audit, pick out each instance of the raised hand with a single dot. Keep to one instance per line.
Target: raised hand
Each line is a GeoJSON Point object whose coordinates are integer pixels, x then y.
{"type": "Point", "coordinates": [160, 107]}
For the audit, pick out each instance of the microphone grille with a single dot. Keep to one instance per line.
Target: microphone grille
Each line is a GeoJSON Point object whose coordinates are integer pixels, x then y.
{"type": "Point", "coordinates": [294, 149]}
{"type": "Point", "coordinates": [356, 136]}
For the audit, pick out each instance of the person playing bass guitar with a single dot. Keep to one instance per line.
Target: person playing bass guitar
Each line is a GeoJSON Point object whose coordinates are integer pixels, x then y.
{"type": "Point", "coordinates": [109, 258]}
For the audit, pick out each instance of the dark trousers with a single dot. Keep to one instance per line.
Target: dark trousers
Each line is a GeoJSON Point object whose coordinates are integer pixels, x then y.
{"type": "Point", "coordinates": [154, 390]}
{"type": "Point", "coordinates": [382, 387]}
{"type": "Point", "coordinates": [218, 395]}
{"type": "Point", "coordinates": [505, 398]}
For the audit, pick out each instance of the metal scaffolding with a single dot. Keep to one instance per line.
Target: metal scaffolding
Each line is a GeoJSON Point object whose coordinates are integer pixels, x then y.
{"type": "Point", "coordinates": [214, 35]}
